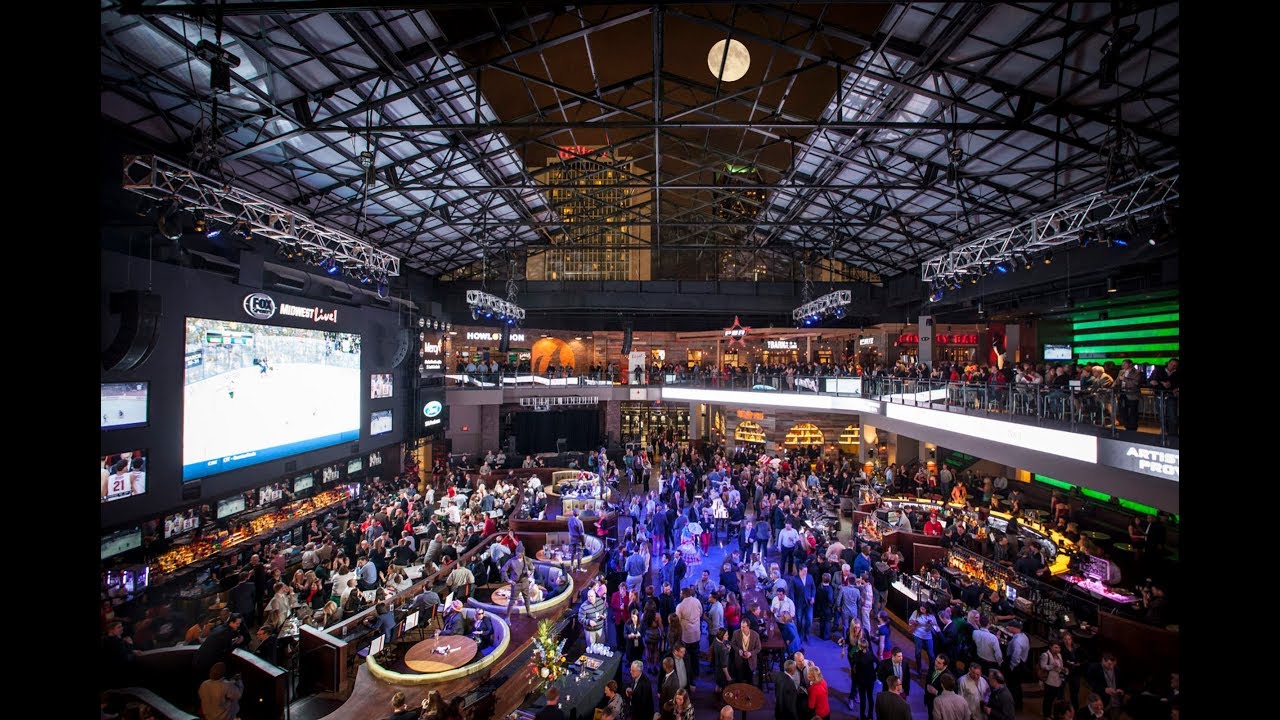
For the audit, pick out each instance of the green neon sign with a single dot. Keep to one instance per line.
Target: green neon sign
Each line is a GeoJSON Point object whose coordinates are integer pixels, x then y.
{"type": "Point", "coordinates": [1134, 334]}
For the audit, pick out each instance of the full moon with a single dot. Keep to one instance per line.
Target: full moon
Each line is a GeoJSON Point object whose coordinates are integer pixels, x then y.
{"type": "Point", "coordinates": [735, 65]}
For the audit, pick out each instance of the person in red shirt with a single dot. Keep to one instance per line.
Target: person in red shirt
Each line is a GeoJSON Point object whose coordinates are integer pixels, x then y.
{"type": "Point", "coordinates": [510, 541]}
{"type": "Point", "coordinates": [818, 702]}
{"type": "Point", "coordinates": [933, 528]}
{"type": "Point", "coordinates": [489, 526]}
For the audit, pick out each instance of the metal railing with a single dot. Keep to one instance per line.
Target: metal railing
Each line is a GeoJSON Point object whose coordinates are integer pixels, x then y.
{"type": "Point", "coordinates": [1151, 414]}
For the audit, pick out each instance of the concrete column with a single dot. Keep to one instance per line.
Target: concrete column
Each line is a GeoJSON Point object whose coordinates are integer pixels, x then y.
{"type": "Point", "coordinates": [489, 420]}
{"type": "Point", "coordinates": [1012, 343]}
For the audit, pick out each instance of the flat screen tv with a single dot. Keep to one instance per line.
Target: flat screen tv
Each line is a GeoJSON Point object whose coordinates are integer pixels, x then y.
{"type": "Point", "coordinates": [304, 483]}
{"type": "Point", "coordinates": [124, 405]}
{"type": "Point", "coordinates": [230, 506]}
{"type": "Point", "coordinates": [124, 475]}
{"type": "Point", "coordinates": [1057, 352]}
{"type": "Point", "coordinates": [380, 386]}
{"type": "Point", "coordinates": [380, 422]}
{"type": "Point", "coordinates": [122, 541]}
{"type": "Point", "coordinates": [180, 523]}
{"type": "Point", "coordinates": [271, 493]}
{"type": "Point", "coordinates": [375, 459]}
{"type": "Point", "coordinates": [254, 393]}
{"type": "Point", "coordinates": [354, 466]}
{"type": "Point", "coordinates": [330, 474]}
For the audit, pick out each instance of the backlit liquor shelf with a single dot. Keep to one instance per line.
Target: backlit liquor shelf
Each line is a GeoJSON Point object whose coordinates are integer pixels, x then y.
{"type": "Point", "coordinates": [208, 546]}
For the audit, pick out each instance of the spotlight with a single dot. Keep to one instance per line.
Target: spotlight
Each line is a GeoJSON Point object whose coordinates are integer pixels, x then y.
{"type": "Point", "coordinates": [973, 280]}
{"type": "Point", "coordinates": [1111, 284]}
{"type": "Point", "coordinates": [981, 312]}
{"type": "Point", "coordinates": [214, 233]}
{"type": "Point", "coordinates": [242, 231]}
{"type": "Point", "coordinates": [200, 222]}
{"type": "Point", "coordinates": [1002, 267]}
{"type": "Point", "coordinates": [1048, 258]}
{"type": "Point", "coordinates": [169, 221]}
{"type": "Point", "coordinates": [936, 296]}
{"type": "Point", "coordinates": [330, 265]}
{"type": "Point", "coordinates": [383, 290]}
{"type": "Point", "coordinates": [1026, 262]}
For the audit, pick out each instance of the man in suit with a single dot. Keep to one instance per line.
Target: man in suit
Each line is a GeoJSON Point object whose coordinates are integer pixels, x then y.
{"type": "Point", "coordinates": [667, 688]}
{"type": "Point", "coordinates": [786, 692]}
{"type": "Point", "coordinates": [1103, 681]}
{"type": "Point", "coordinates": [745, 645]}
{"type": "Point", "coordinates": [640, 692]}
{"type": "Point", "coordinates": [890, 705]}
{"type": "Point", "coordinates": [894, 667]}
{"type": "Point", "coordinates": [679, 655]}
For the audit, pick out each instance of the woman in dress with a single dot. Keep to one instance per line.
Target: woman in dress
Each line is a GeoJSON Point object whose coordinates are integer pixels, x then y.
{"type": "Point", "coordinates": [633, 636]}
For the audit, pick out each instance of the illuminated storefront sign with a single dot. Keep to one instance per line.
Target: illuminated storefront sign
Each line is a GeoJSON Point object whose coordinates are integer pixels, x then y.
{"type": "Point", "coordinates": [494, 336]}
{"type": "Point", "coordinates": [941, 339]}
{"type": "Point", "coordinates": [750, 415]}
{"type": "Point", "coordinates": [736, 333]}
{"type": "Point", "coordinates": [1145, 459]}
{"type": "Point", "coordinates": [866, 342]}
{"type": "Point", "coordinates": [782, 345]}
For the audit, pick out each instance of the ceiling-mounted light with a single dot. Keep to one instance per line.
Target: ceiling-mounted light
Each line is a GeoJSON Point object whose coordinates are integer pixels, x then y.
{"type": "Point", "coordinates": [1048, 258]}
{"type": "Point", "coordinates": [1111, 284]}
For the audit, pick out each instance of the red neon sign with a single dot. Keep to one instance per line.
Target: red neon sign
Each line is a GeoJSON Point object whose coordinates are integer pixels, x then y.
{"type": "Point", "coordinates": [941, 339]}
{"type": "Point", "coordinates": [569, 152]}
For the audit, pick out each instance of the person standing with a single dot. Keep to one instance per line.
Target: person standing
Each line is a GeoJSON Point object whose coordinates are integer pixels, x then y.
{"type": "Point", "coordinates": [786, 693]}
{"type": "Point", "coordinates": [894, 667]}
{"type": "Point", "coordinates": [819, 703]}
{"type": "Point", "coordinates": [1052, 670]}
{"type": "Point", "coordinates": [690, 613]}
{"type": "Point", "coordinates": [519, 573]}
{"type": "Point", "coordinates": [577, 533]}
{"type": "Point", "coordinates": [1019, 652]}
{"type": "Point", "coordinates": [219, 696]}
{"type": "Point", "coordinates": [948, 705]}
{"type": "Point", "coordinates": [933, 682]}
{"type": "Point", "coordinates": [1072, 662]}
{"type": "Point", "coordinates": [746, 646]}
{"type": "Point", "coordinates": [1000, 704]}
{"type": "Point", "coordinates": [975, 690]}
{"type": "Point", "coordinates": [721, 659]}
{"type": "Point", "coordinates": [862, 675]}
{"type": "Point", "coordinates": [639, 692]}
{"type": "Point", "coordinates": [667, 689]}
{"type": "Point", "coordinates": [890, 705]}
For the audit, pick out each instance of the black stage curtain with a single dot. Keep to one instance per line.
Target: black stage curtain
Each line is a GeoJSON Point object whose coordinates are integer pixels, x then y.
{"type": "Point", "coordinates": [536, 432]}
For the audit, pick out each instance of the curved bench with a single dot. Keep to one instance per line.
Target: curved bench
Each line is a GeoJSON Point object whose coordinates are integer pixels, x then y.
{"type": "Point", "coordinates": [501, 639]}
{"type": "Point", "coordinates": [594, 550]}
{"type": "Point", "coordinates": [565, 596]}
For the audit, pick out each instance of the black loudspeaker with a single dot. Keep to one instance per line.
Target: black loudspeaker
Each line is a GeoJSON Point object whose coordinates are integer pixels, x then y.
{"type": "Point", "coordinates": [251, 269]}
{"type": "Point", "coordinates": [403, 339]}
{"type": "Point", "coordinates": [504, 346]}
{"type": "Point", "coordinates": [626, 339]}
{"type": "Point", "coordinates": [139, 329]}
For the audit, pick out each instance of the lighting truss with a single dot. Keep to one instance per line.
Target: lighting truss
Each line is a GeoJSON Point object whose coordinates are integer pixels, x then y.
{"type": "Point", "coordinates": [1060, 226]}
{"type": "Point", "coordinates": [485, 304]}
{"type": "Point", "coordinates": [831, 303]}
{"type": "Point", "coordinates": [161, 180]}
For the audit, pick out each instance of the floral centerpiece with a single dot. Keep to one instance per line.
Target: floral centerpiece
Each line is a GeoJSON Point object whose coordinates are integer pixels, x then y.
{"type": "Point", "coordinates": [548, 662]}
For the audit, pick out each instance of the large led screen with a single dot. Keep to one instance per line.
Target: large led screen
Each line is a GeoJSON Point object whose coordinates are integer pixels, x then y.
{"type": "Point", "coordinates": [255, 393]}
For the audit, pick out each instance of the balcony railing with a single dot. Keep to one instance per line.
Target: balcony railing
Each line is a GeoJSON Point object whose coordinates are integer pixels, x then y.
{"type": "Point", "coordinates": [1150, 415]}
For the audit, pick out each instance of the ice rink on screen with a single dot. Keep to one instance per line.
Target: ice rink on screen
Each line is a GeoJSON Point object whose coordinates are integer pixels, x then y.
{"type": "Point", "coordinates": [135, 410]}
{"type": "Point", "coordinates": [289, 404]}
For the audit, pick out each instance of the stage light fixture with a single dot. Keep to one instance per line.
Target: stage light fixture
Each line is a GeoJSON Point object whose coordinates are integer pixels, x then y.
{"type": "Point", "coordinates": [1111, 284]}
{"type": "Point", "coordinates": [1048, 258]}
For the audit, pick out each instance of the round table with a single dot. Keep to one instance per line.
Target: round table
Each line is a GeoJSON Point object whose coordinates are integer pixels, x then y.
{"type": "Point", "coordinates": [1096, 534]}
{"type": "Point", "coordinates": [502, 596]}
{"type": "Point", "coordinates": [558, 552]}
{"type": "Point", "coordinates": [423, 657]}
{"type": "Point", "coordinates": [744, 697]}
{"type": "Point", "coordinates": [1124, 547]}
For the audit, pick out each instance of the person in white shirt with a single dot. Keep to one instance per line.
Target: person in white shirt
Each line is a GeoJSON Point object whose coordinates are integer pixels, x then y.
{"type": "Point", "coordinates": [1053, 670]}
{"type": "Point", "coordinates": [757, 567]}
{"type": "Point", "coordinates": [689, 610]}
{"type": "Point", "coordinates": [985, 644]}
{"type": "Point", "coordinates": [975, 690]}
{"type": "Point", "coordinates": [454, 513]}
{"type": "Point", "coordinates": [782, 604]}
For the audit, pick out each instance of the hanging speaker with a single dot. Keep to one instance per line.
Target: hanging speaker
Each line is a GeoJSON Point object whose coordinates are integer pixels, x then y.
{"type": "Point", "coordinates": [504, 346]}
{"type": "Point", "coordinates": [626, 339]}
{"type": "Point", "coordinates": [139, 329]}
{"type": "Point", "coordinates": [403, 338]}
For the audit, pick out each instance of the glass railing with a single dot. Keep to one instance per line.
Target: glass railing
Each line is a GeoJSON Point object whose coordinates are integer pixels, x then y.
{"type": "Point", "coordinates": [1149, 416]}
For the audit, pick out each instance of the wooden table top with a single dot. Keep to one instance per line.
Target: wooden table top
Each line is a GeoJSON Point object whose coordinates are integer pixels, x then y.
{"type": "Point", "coordinates": [1096, 534]}
{"type": "Point", "coordinates": [502, 596]}
{"type": "Point", "coordinates": [744, 697]}
{"type": "Point", "coordinates": [423, 657]}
